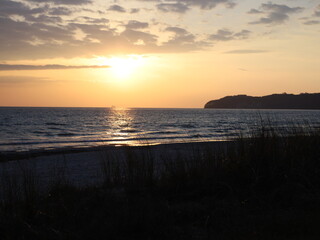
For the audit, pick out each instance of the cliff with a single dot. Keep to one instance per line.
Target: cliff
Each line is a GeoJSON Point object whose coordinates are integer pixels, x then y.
{"type": "Point", "coordinates": [274, 101]}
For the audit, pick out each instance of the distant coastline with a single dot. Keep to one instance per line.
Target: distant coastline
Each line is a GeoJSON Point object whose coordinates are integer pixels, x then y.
{"type": "Point", "coordinates": [274, 101]}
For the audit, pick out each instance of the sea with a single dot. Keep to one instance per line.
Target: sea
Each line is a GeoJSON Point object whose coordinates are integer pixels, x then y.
{"type": "Point", "coordinates": [27, 128]}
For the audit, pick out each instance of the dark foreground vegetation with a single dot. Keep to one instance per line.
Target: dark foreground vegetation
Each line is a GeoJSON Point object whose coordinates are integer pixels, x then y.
{"type": "Point", "coordinates": [264, 187]}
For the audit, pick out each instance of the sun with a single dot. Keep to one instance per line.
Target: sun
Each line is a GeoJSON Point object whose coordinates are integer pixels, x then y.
{"type": "Point", "coordinates": [125, 67]}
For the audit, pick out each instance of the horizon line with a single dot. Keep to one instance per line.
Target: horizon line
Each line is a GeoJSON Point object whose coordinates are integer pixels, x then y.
{"type": "Point", "coordinates": [101, 107]}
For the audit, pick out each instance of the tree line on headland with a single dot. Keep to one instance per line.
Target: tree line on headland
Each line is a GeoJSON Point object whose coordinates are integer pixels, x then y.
{"type": "Point", "coordinates": [274, 101]}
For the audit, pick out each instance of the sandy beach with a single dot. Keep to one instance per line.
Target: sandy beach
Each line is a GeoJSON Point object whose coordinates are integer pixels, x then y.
{"type": "Point", "coordinates": [83, 166]}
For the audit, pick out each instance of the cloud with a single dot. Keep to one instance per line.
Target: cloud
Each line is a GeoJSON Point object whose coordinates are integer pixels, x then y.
{"type": "Point", "coordinates": [275, 13]}
{"type": "Point", "coordinates": [138, 37]}
{"type": "Point", "coordinates": [26, 40]}
{"type": "Point", "coordinates": [209, 4]}
{"type": "Point", "coordinates": [317, 11]}
{"type": "Point", "coordinates": [280, 8]}
{"type": "Point", "coordinates": [44, 18]}
{"type": "Point", "coordinates": [117, 8]}
{"type": "Point", "coordinates": [244, 34]}
{"type": "Point", "coordinates": [63, 2]}
{"type": "Point", "coordinates": [311, 22]}
{"type": "Point", "coordinates": [96, 20]}
{"type": "Point", "coordinates": [245, 51]}
{"type": "Point", "coordinates": [173, 7]}
{"type": "Point", "coordinates": [227, 35]}
{"type": "Point", "coordinates": [181, 6]}
{"type": "Point", "coordinates": [13, 80]}
{"type": "Point", "coordinates": [23, 40]}
{"type": "Point", "coordinates": [9, 8]}
{"type": "Point", "coordinates": [254, 11]}
{"type": "Point", "coordinates": [60, 11]}
{"type": "Point", "coordinates": [134, 10]}
{"type": "Point", "coordinates": [183, 40]}
{"type": "Point", "coordinates": [133, 24]}
{"type": "Point", "coordinates": [11, 67]}
{"type": "Point", "coordinates": [26, 13]}
{"type": "Point", "coordinates": [177, 30]}
{"type": "Point", "coordinates": [42, 31]}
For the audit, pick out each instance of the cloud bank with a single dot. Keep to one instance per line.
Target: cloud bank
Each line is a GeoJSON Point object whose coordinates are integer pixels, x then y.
{"type": "Point", "coordinates": [11, 67]}
{"type": "Point", "coordinates": [43, 29]}
{"type": "Point", "coordinates": [63, 2]}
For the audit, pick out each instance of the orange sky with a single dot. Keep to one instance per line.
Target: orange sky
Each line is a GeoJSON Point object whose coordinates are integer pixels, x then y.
{"type": "Point", "coordinates": [157, 53]}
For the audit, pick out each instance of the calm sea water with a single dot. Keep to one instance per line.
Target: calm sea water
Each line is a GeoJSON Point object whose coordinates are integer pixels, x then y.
{"type": "Point", "coordinates": [23, 129]}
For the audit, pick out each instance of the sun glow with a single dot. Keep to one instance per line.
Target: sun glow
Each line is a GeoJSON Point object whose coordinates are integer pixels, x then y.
{"type": "Point", "coordinates": [125, 67]}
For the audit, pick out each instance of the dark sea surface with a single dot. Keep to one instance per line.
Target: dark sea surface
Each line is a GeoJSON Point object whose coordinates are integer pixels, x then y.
{"type": "Point", "coordinates": [23, 129]}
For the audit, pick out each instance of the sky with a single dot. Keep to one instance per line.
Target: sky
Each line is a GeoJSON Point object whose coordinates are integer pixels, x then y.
{"type": "Point", "coordinates": [155, 53]}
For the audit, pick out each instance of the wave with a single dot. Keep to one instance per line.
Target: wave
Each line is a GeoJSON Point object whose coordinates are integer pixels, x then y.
{"type": "Point", "coordinates": [164, 132]}
{"type": "Point", "coordinates": [66, 134]}
{"type": "Point", "coordinates": [187, 126]}
{"type": "Point", "coordinates": [129, 131]}
{"type": "Point", "coordinates": [55, 124]}
{"type": "Point", "coordinates": [43, 133]}
{"type": "Point", "coordinates": [54, 128]}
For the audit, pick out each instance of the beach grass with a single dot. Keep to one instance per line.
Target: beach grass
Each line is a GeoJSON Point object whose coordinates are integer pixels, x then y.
{"type": "Point", "coordinates": [266, 186]}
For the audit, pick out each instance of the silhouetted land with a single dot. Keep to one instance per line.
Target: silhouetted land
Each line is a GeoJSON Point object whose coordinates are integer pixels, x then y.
{"type": "Point", "coordinates": [274, 101]}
